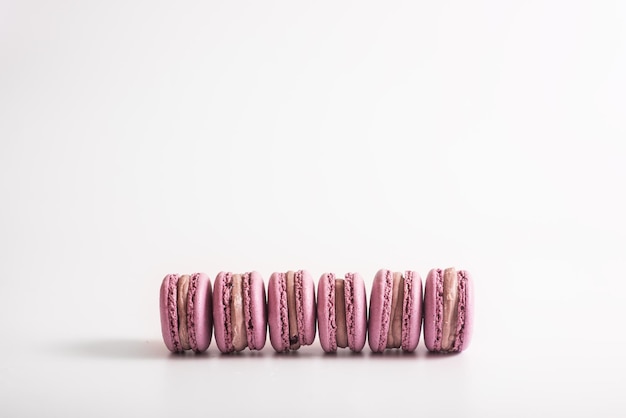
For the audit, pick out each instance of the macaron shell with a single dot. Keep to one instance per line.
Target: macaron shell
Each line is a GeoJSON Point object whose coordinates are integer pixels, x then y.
{"type": "Point", "coordinates": [413, 307]}
{"type": "Point", "coordinates": [430, 311]}
{"type": "Point", "coordinates": [378, 326]}
{"type": "Point", "coordinates": [277, 313]}
{"type": "Point", "coordinates": [201, 312]}
{"type": "Point", "coordinates": [325, 312]}
{"type": "Point", "coordinates": [468, 328]}
{"type": "Point", "coordinates": [309, 307]}
{"type": "Point", "coordinates": [258, 312]}
{"type": "Point", "coordinates": [356, 339]}
{"type": "Point", "coordinates": [169, 313]}
{"type": "Point", "coordinates": [219, 318]}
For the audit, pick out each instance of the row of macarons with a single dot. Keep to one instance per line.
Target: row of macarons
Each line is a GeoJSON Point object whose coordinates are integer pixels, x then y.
{"type": "Point", "coordinates": [237, 311]}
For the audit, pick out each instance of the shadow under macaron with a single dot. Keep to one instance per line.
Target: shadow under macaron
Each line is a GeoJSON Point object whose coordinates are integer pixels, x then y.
{"type": "Point", "coordinates": [344, 354]}
{"type": "Point", "coordinates": [243, 355]}
{"type": "Point", "coordinates": [393, 354]}
{"type": "Point", "coordinates": [432, 355]}
{"type": "Point", "coordinates": [420, 354]}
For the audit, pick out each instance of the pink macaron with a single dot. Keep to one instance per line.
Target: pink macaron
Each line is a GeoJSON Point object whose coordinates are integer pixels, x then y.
{"type": "Point", "coordinates": [341, 312]}
{"type": "Point", "coordinates": [395, 317]}
{"type": "Point", "coordinates": [239, 313]}
{"type": "Point", "coordinates": [185, 304]}
{"type": "Point", "coordinates": [291, 310]}
{"type": "Point", "coordinates": [448, 310]}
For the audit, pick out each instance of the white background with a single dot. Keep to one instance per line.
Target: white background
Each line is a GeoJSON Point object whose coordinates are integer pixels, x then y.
{"type": "Point", "coordinates": [142, 138]}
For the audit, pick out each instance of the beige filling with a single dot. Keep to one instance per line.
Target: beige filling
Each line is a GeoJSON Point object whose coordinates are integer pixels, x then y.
{"type": "Point", "coordinates": [394, 335]}
{"type": "Point", "coordinates": [182, 290]}
{"type": "Point", "coordinates": [450, 308]}
{"type": "Point", "coordinates": [238, 322]}
{"type": "Point", "coordinates": [340, 314]}
{"type": "Point", "coordinates": [294, 339]}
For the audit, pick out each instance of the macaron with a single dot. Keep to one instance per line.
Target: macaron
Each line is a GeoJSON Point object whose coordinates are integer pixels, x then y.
{"type": "Point", "coordinates": [291, 310]}
{"type": "Point", "coordinates": [341, 312]}
{"type": "Point", "coordinates": [185, 304]}
{"type": "Point", "coordinates": [395, 316]}
{"type": "Point", "coordinates": [448, 310]}
{"type": "Point", "coordinates": [239, 313]}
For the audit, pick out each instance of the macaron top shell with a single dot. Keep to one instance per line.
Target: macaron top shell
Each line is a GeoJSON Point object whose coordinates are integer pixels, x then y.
{"type": "Point", "coordinates": [380, 306]}
{"type": "Point", "coordinates": [255, 313]}
{"type": "Point", "coordinates": [412, 311]}
{"type": "Point", "coordinates": [307, 325]}
{"type": "Point", "coordinates": [326, 312]}
{"type": "Point", "coordinates": [199, 315]}
{"type": "Point", "coordinates": [356, 313]}
{"type": "Point", "coordinates": [467, 331]}
{"type": "Point", "coordinates": [169, 313]}
{"type": "Point", "coordinates": [277, 316]}
{"type": "Point", "coordinates": [221, 312]}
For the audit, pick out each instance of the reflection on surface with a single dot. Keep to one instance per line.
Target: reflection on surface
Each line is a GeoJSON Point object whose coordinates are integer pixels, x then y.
{"type": "Point", "coordinates": [127, 348]}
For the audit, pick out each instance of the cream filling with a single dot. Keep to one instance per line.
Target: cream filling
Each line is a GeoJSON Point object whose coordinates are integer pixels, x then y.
{"type": "Point", "coordinates": [340, 314]}
{"type": "Point", "coordinates": [294, 339]}
{"type": "Point", "coordinates": [450, 308]}
{"type": "Point", "coordinates": [237, 320]}
{"type": "Point", "coordinates": [394, 335]}
{"type": "Point", "coordinates": [182, 290]}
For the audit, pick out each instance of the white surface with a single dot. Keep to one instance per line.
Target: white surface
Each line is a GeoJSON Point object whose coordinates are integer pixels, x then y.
{"type": "Point", "coordinates": [138, 139]}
